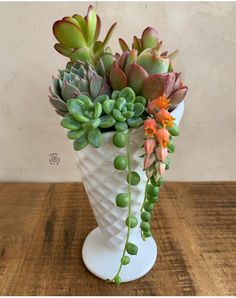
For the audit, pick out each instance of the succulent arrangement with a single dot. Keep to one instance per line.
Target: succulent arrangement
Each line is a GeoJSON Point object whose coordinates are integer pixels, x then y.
{"type": "Point", "coordinates": [99, 91]}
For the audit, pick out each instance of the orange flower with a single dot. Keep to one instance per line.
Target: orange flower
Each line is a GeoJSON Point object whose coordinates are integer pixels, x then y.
{"type": "Point", "coordinates": [157, 104]}
{"type": "Point", "coordinates": [162, 153]}
{"type": "Point", "coordinates": [149, 146]}
{"type": "Point", "coordinates": [150, 127]}
{"type": "Point", "coordinates": [162, 136]}
{"type": "Point", "coordinates": [165, 118]}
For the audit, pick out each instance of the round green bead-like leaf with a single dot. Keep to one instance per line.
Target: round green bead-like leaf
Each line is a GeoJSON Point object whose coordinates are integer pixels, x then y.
{"type": "Point", "coordinates": [148, 206]}
{"type": "Point", "coordinates": [135, 122]}
{"type": "Point", "coordinates": [131, 248]}
{"type": "Point", "coordinates": [147, 234]}
{"type": "Point", "coordinates": [70, 123]}
{"type": "Point", "coordinates": [145, 226]}
{"type": "Point", "coordinates": [117, 280]}
{"type": "Point", "coordinates": [131, 221]}
{"type": "Point", "coordinates": [69, 34]}
{"type": "Point", "coordinates": [135, 178]}
{"type": "Point", "coordinates": [122, 200]}
{"type": "Point", "coordinates": [75, 134]}
{"type": "Point", "coordinates": [118, 115]}
{"type": "Point", "coordinates": [173, 130]}
{"type": "Point", "coordinates": [141, 99]}
{"type": "Point", "coordinates": [125, 260]}
{"type": "Point", "coordinates": [152, 190]}
{"type": "Point", "coordinates": [120, 139]}
{"type": "Point", "coordinates": [108, 106]}
{"type": "Point", "coordinates": [106, 121]}
{"type": "Point", "coordinates": [128, 94]}
{"type": "Point", "coordinates": [152, 199]}
{"type": "Point", "coordinates": [97, 110]}
{"type": "Point", "coordinates": [121, 126]}
{"type": "Point", "coordinates": [138, 109]}
{"type": "Point", "coordinates": [95, 137]}
{"type": "Point", "coordinates": [157, 182]}
{"type": "Point", "coordinates": [76, 110]}
{"type": "Point", "coordinates": [81, 142]}
{"type": "Point", "coordinates": [121, 162]}
{"type": "Point", "coordinates": [146, 216]}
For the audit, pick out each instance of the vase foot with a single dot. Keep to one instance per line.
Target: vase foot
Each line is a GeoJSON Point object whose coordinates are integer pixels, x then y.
{"type": "Point", "coordinates": [103, 261]}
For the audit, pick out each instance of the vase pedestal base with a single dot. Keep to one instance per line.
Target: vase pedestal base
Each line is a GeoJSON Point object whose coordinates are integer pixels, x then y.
{"type": "Point", "coordinates": [104, 261]}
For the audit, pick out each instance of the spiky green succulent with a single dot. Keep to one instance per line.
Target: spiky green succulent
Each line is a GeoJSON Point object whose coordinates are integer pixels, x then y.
{"type": "Point", "coordinates": [147, 72]}
{"type": "Point", "coordinates": [78, 39]}
{"type": "Point", "coordinates": [78, 78]}
{"type": "Point", "coordinates": [87, 119]}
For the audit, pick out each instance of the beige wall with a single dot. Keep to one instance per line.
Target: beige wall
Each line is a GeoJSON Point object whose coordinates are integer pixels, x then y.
{"type": "Point", "coordinates": [204, 32]}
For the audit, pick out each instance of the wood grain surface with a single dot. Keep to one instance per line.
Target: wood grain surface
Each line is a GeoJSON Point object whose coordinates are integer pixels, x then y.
{"type": "Point", "coordinates": [43, 226]}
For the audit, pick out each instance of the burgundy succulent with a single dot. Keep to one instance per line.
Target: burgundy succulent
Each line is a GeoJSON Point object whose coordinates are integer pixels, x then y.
{"type": "Point", "coordinates": [146, 71]}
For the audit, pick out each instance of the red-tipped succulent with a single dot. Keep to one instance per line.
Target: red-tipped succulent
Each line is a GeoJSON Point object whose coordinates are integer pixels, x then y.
{"type": "Point", "coordinates": [146, 71]}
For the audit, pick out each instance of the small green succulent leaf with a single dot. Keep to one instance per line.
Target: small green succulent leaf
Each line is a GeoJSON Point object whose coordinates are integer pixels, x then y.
{"type": "Point", "coordinates": [86, 100]}
{"type": "Point", "coordinates": [106, 121]}
{"type": "Point", "coordinates": [141, 99]}
{"type": "Point", "coordinates": [76, 110]}
{"type": "Point", "coordinates": [135, 122]}
{"type": "Point", "coordinates": [69, 34]}
{"type": "Point", "coordinates": [138, 109]}
{"type": "Point", "coordinates": [118, 115]}
{"type": "Point", "coordinates": [130, 106]}
{"type": "Point", "coordinates": [70, 123]}
{"type": "Point", "coordinates": [108, 106]}
{"type": "Point", "coordinates": [94, 123]}
{"type": "Point", "coordinates": [97, 109]}
{"type": "Point", "coordinates": [75, 134]}
{"type": "Point", "coordinates": [115, 94]}
{"type": "Point", "coordinates": [121, 126]}
{"type": "Point", "coordinates": [81, 142]}
{"type": "Point", "coordinates": [95, 137]}
{"type": "Point", "coordinates": [128, 94]}
{"type": "Point", "coordinates": [120, 103]}
{"type": "Point", "coordinates": [128, 114]}
{"type": "Point", "coordinates": [101, 98]}
{"type": "Point", "coordinates": [106, 40]}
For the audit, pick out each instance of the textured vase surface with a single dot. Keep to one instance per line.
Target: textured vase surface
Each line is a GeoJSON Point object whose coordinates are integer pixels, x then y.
{"type": "Point", "coordinates": [103, 183]}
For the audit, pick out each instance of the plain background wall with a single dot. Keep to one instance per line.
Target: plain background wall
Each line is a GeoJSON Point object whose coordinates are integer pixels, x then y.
{"type": "Point", "coordinates": [205, 34]}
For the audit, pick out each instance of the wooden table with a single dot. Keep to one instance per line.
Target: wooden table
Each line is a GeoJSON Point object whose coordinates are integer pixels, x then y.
{"type": "Point", "coordinates": [43, 226]}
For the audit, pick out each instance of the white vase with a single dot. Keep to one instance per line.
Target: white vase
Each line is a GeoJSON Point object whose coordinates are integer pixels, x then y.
{"type": "Point", "coordinates": [103, 247]}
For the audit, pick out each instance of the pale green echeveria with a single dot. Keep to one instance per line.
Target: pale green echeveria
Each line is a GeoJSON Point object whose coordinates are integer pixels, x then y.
{"type": "Point", "coordinates": [77, 79]}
